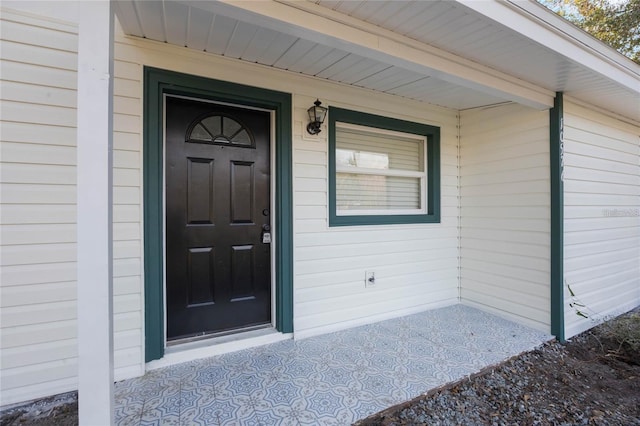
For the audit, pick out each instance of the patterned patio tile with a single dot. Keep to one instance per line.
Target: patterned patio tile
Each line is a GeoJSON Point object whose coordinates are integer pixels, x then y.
{"type": "Point", "coordinates": [274, 375]}
{"type": "Point", "coordinates": [364, 409]}
{"type": "Point", "coordinates": [208, 376]}
{"type": "Point", "coordinates": [360, 370]}
{"type": "Point", "coordinates": [352, 394]}
{"type": "Point", "coordinates": [419, 348]}
{"type": "Point", "coordinates": [237, 362]}
{"type": "Point", "coordinates": [377, 383]}
{"type": "Point", "coordinates": [146, 387]}
{"type": "Point", "coordinates": [325, 403]}
{"type": "Point", "coordinates": [281, 393]}
{"type": "Point", "coordinates": [301, 367]}
{"type": "Point", "coordinates": [332, 379]}
{"type": "Point", "coordinates": [258, 400]}
{"type": "Point", "coordinates": [384, 360]}
{"type": "Point", "coordinates": [267, 360]}
{"type": "Point", "coordinates": [293, 414]}
{"type": "Point", "coordinates": [156, 417]}
{"type": "Point", "coordinates": [420, 368]}
{"type": "Point", "coordinates": [187, 417]}
{"type": "Point", "coordinates": [311, 384]}
{"type": "Point", "coordinates": [245, 383]}
{"type": "Point", "coordinates": [128, 409]}
{"type": "Point", "coordinates": [220, 412]}
{"type": "Point", "coordinates": [339, 375]}
{"type": "Point", "coordinates": [341, 417]}
{"type": "Point", "coordinates": [133, 420]}
{"type": "Point", "coordinates": [262, 419]}
{"type": "Point", "coordinates": [360, 336]}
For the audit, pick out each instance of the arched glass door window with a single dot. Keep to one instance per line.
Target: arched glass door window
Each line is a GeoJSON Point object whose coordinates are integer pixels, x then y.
{"type": "Point", "coordinates": [220, 130]}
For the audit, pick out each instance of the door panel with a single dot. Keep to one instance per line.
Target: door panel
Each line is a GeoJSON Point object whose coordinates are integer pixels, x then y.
{"type": "Point", "coordinates": [242, 280]}
{"type": "Point", "coordinates": [200, 195]}
{"type": "Point", "coordinates": [242, 192]}
{"type": "Point", "coordinates": [201, 277]}
{"type": "Point", "coordinates": [218, 274]}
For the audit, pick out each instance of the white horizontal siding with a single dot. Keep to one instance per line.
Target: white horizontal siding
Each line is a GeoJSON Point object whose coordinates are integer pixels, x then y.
{"type": "Point", "coordinates": [602, 216]}
{"type": "Point", "coordinates": [504, 218]}
{"type": "Point", "coordinates": [127, 217]}
{"type": "Point", "coordinates": [37, 178]}
{"type": "Point", "coordinates": [38, 184]}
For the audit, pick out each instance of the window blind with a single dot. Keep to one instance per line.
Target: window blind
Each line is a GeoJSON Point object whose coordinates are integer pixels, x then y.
{"type": "Point", "coordinates": [378, 171]}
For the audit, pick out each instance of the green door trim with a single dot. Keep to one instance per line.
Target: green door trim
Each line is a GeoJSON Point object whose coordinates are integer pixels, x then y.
{"type": "Point", "coordinates": [157, 83]}
{"type": "Point", "coordinates": [556, 127]}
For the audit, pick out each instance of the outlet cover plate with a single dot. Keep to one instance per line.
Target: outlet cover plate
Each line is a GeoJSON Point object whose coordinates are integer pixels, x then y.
{"type": "Point", "coordinates": [369, 279]}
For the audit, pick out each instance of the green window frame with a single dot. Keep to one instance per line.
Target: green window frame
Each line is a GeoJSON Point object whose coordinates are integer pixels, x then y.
{"type": "Point", "coordinates": [429, 212]}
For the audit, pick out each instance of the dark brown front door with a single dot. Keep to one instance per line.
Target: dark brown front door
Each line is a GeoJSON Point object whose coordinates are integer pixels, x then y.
{"type": "Point", "coordinates": [217, 218]}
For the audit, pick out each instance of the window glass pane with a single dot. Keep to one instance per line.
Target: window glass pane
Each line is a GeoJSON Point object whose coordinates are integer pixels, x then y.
{"type": "Point", "coordinates": [369, 160]}
{"type": "Point", "coordinates": [242, 138]}
{"type": "Point", "coordinates": [200, 133]}
{"type": "Point", "coordinates": [230, 126]}
{"type": "Point", "coordinates": [371, 192]}
{"type": "Point", "coordinates": [368, 149]}
{"type": "Point", "coordinates": [221, 130]}
{"type": "Point", "coordinates": [213, 124]}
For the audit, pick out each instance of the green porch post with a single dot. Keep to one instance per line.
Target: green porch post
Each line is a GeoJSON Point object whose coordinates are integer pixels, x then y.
{"type": "Point", "coordinates": [556, 163]}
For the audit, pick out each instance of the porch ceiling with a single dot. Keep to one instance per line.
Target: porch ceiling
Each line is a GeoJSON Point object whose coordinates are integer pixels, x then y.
{"type": "Point", "coordinates": [469, 29]}
{"type": "Point", "coordinates": [344, 41]}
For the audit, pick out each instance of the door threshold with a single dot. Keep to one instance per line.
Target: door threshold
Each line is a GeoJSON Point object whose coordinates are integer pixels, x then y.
{"type": "Point", "coordinates": [219, 337]}
{"type": "Point", "coordinates": [217, 345]}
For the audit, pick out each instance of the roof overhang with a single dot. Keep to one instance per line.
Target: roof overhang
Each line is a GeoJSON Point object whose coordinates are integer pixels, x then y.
{"type": "Point", "coordinates": [615, 79]}
{"type": "Point", "coordinates": [358, 43]}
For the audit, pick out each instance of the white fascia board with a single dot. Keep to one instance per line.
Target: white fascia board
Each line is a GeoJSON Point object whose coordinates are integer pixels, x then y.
{"type": "Point", "coordinates": [330, 28]}
{"type": "Point", "coordinates": [544, 27]}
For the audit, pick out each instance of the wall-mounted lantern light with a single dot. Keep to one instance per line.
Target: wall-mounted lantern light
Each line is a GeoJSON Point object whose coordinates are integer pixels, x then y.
{"type": "Point", "coordinates": [317, 115]}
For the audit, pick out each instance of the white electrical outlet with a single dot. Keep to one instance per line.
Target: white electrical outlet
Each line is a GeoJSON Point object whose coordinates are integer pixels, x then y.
{"type": "Point", "coordinates": [369, 279]}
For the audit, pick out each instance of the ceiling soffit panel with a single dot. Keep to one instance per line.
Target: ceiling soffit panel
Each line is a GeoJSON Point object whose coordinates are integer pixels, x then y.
{"type": "Point", "coordinates": [452, 27]}
{"type": "Point", "coordinates": [277, 37]}
{"type": "Point", "coordinates": [308, 21]}
{"type": "Point", "coordinates": [495, 40]}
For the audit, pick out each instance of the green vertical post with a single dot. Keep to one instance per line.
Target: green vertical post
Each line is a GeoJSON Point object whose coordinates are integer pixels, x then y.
{"type": "Point", "coordinates": [153, 214]}
{"type": "Point", "coordinates": [556, 163]}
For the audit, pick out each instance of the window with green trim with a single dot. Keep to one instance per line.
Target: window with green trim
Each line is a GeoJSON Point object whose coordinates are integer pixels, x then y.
{"type": "Point", "coordinates": [382, 170]}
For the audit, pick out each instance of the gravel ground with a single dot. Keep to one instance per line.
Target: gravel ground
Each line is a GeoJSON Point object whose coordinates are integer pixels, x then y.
{"type": "Point", "coordinates": [591, 380]}
{"type": "Point", "coordinates": [58, 410]}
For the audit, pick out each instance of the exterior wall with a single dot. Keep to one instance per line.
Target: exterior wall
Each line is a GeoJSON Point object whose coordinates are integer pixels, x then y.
{"type": "Point", "coordinates": [415, 265]}
{"type": "Point", "coordinates": [601, 216]}
{"type": "Point", "coordinates": [504, 216]}
{"type": "Point", "coordinates": [37, 285]}
{"type": "Point", "coordinates": [38, 242]}
{"type": "Point", "coordinates": [128, 290]}
{"type": "Point", "coordinates": [330, 262]}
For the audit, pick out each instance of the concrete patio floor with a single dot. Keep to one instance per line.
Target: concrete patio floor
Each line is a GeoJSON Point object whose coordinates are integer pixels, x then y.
{"type": "Point", "coordinates": [333, 379]}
